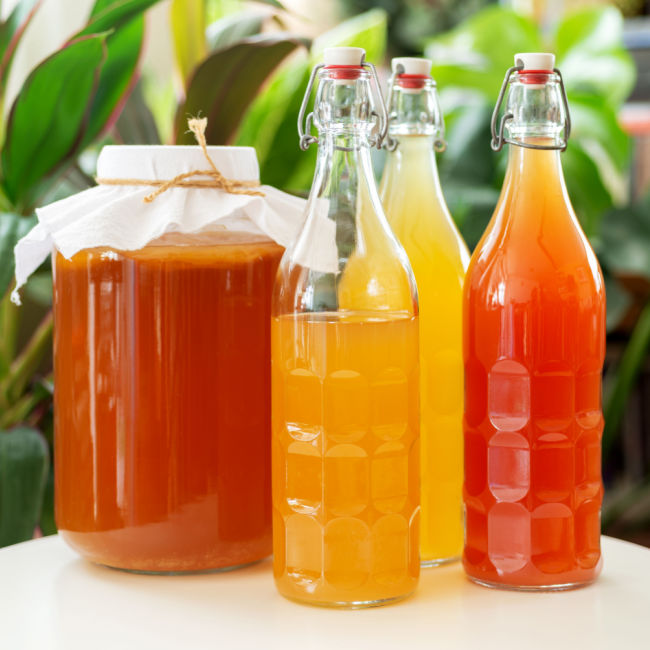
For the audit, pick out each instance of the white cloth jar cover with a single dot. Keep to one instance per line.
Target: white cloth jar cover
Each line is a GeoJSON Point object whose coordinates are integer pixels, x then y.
{"type": "Point", "coordinates": [116, 216]}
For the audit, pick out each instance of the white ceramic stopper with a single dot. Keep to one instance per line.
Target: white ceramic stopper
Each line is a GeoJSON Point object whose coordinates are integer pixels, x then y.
{"type": "Point", "coordinates": [343, 55]}
{"type": "Point", "coordinates": [536, 60]}
{"type": "Point", "coordinates": [411, 65]}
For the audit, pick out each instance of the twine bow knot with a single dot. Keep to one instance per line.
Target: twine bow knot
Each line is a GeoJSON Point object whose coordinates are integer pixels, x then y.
{"type": "Point", "coordinates": [215, 179]}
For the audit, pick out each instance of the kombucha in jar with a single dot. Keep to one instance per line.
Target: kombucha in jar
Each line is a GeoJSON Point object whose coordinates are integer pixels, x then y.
{"type": "Point", "coordinates": [534, 344]}
{"type": "Point", "coordinates": [163, 403]}
{"type": "Point", "coordinates": [346, 490]}
{"type": "Point", "coordinates": [417, 213]}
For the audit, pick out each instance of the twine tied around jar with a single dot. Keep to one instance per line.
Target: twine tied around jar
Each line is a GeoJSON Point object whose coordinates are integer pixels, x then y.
{"type": "Point", "coordinates": [216, 179]}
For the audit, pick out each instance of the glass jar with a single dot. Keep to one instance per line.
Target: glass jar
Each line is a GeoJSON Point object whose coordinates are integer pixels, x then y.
{"type": "Point", "coordinates": [162, 402]}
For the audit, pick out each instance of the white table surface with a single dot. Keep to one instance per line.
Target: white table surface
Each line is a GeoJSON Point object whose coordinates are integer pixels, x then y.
{"type": "Point", "coordinates": [51, 598]}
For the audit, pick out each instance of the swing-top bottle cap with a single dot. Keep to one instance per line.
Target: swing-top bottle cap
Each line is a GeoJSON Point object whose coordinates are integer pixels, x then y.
{"type": "Point", "coordinates": [338, 56]}
{"type": "Point", "coordinates": [411, 65]}
{"type": "Point", "coordinates": [535, 61]}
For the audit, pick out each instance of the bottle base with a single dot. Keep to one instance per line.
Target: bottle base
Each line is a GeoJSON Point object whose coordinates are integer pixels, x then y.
{"type": "Point", "coordinates": [354, 604]}
{"type": "Point", "coordinates": [429, 564]}
{"type": "Point", "coordinates": [567, 586]}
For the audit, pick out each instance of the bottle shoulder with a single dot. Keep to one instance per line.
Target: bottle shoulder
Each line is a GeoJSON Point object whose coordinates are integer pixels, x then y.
{"type": "Point", "coordinates": [425, 227]}
{"type": "Point", "coordinates": [501, 275]}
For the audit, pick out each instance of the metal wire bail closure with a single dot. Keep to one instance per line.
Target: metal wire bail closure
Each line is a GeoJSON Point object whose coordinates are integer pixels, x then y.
{"type": "Point", "coordinates": [304, 125]}
{"type": "Point", "coordinates": [498, 139]}
{"type": "Point", "coordinates": [439, 144]}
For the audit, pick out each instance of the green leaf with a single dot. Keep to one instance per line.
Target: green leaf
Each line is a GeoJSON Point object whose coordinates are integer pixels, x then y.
{"type": "Point", "coordinates": [11, 31]}
{"type": "Point", "coordinates": [589, 196]}
{"type": "Point", "coordinates": [24, 460]}
{"type": "Point", "coordinates": [270, 123]}
{"type": "Point", "coordinates": [112, 14]}
{"type": "Point", "coordinates": [123, 49]}
{"type": "Point", "coordinates": [230, 29]}
{"type": "Point", "coordinates": [188, 34]}
{"type": "Point", "coordinates": [591, 55]}
{"type": "Point", "coordinates": [467, 157]}
{"type": "Point", "coordinates": [230, 78]}
{"type": "Point", "coordinates": [478, 52]}
{"type": "Point", "coordinates": [46, 122]}
{"type": "Point", "coordinates": [594, 121]}
{"type": "Point", "coordinates": [116, 78]}
{"type": "Point", "coordinates": [27, 363]}
{"type": "Point", "coordinates": [625, 239]}
{"type": "Point", "coordinates": [136, 124]}
{"type": "Point", "coordinates": [12, 228]}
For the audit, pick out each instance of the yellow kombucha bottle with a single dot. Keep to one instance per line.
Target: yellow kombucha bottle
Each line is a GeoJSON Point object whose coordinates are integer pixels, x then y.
{"type": "Point", "coordinates": [416, 210]}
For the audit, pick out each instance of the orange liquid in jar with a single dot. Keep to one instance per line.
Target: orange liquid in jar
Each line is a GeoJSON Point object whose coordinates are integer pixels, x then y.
{"type": "Point", "coordinates": [163, 405]}
{"type": "Point", "coordinates": [345, 427]}
{"type": "Point", "coordinates": [534, 344]}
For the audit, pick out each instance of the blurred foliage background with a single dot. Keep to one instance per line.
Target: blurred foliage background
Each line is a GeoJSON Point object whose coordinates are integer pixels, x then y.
{"type": "Point", "coordinates": [245, 65]}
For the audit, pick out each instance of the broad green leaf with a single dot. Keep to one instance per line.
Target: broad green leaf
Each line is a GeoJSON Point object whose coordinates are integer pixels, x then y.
{"type": "Point", "coordinates": [112, 14]}
{"type": "Point", "coordinates": [24, 461]}
{"type": "Point", "coordinates": [477, 53]}
{"type": "Point", "coordinates": [11, 31]}
{"type": "Point", "coordinates": [230, 29]}
{"type": "Point", "coordinates": [595, 129]}
{"type": "Point", "coordinates": [589, 196]}
{"type": "Point", "coordinates": [625, 239]}
{"type": "Point", "coordinates": [593, 120]}
{"type": "Point", "coordinates": [467, 157]}
{"type": "Point", "coordinates": [270, 123]}
{"type": "Point", "coordinates": [12, 228]}
{"type": "Point", "coordinates": [116, 77]}
{"type": "Point", "coordinates": [46, 122]}
{"type": "Point", "coordinates": [124, 45]}
{"type": "Point", "coordinates": [136, 124]}
{"type": "Point", "coordinates": [591, 55]}
{"type": "Point", "coordinates": [224, 85]}
{"type": "Point", "coordinates": [188, 34]}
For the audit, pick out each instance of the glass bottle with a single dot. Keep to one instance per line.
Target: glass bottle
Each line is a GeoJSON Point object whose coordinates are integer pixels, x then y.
{"type": "Point", "coordinates": [417, 212]}
{"type": "Point", "coordinates": [534, 344]}
{"type": "Point", "coordinates": [345, 379]}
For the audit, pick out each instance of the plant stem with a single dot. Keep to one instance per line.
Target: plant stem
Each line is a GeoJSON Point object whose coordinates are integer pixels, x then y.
{"type": "Point", "coordinates": [624, 378]}
{"type": "Point", "coordinates": [18, 413]}
{"type": "Point", "coordinates": [9, 318]}
{"type": "Point", "coordinates": [28, 361]}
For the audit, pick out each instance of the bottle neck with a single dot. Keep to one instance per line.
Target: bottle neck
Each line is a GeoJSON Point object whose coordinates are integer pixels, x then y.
{"type": "Point", "coordinates": [414, 109]}
{"type": "Point", "coordinates": [536, 111]}
{"type": "Point", "coordinates": [534, 191]}
{"type": "Point", "coordinates": [343, 163]}
{"type": "Point", "coordinates": [536, 171]}
{"type": "Point", "coordinates": [412, 163]}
